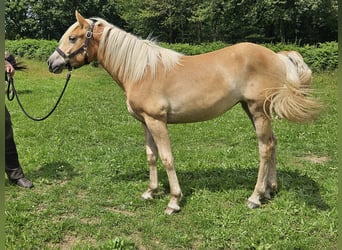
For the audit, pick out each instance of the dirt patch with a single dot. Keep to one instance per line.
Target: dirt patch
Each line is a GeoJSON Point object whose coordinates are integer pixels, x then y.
{"type": "Point", "coordinates": [316, 159]}
{"type": "Point", "coordinates": [138, 240]}
{"type": "Point", "coordinates": [91, 221]}
{"type": "Point", "coordinates": [69, 241]}
{"type": "Point", "coordinates": [116, 210]}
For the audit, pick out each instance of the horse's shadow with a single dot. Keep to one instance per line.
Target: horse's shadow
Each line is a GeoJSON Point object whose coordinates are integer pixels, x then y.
{"type": "Point", "coordinates": [223, 179]}
{"type": "Point", "coordinates": [214, 180]}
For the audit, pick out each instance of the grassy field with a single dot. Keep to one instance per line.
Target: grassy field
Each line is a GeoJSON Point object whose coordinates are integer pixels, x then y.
{"type": "Point", "coordinates": [89, 168]}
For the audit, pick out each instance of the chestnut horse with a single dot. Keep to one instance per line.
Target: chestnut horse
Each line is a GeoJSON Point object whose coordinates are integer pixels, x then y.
{"type": "Point", "coordinates": [163, 86]}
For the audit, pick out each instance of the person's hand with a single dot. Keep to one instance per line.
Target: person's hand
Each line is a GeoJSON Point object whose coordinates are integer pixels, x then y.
{"type": "Point", "coordinates": [9, 68]}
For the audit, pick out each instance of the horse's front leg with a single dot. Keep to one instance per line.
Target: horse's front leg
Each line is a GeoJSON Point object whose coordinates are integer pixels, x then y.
{"type": "Point", "coordinates": [152, 157]}
{"type": "Point", "coordinates": [159, 132]}
{"type": "Point", "coordinates": [266, 182]}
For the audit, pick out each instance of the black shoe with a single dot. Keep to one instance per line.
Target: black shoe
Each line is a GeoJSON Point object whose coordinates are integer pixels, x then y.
{"type": "Point", "coordinates": [23, 182]}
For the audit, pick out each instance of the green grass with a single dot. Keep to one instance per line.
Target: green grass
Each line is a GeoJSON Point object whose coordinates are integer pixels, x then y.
{"type": "Point", "coordinates": [89, 168]}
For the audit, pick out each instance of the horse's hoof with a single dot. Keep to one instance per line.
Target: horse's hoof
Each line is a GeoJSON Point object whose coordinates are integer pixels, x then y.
{"type": "Point", "coordinates": [252, 204]}
{"type": "Point", "coordinates": [147, 195]}
{"type": "Point", "coordinates": [172, 207]}
{"type": "Point", "coordinates": [170, 210]}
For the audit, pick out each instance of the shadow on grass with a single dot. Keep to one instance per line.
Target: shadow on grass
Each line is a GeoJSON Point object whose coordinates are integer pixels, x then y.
{"type": "Point", "coordinates": [216, 180]}
{"type": "Point", "coordinates": [55, 171]}
{"type": "Point", "coordinates": [304, 187]}
{"type": "Point", "coordinates": [24, 91]}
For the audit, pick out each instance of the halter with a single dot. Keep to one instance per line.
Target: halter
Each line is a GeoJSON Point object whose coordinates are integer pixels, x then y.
{"type": "Point", "coordinates": [82, 49]}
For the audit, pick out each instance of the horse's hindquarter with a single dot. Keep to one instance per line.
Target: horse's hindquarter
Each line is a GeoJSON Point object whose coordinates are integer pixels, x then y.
{"type": "Point", "coordinates": [200, 88]}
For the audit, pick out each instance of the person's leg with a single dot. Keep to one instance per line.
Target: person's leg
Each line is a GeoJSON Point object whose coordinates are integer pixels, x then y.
{"type": "Point", "coordinates": [13, 169]}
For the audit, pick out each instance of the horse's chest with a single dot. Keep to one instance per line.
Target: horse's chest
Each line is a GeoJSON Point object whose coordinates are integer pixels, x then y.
{"type": "Point", "coordinates": [133, 111]}
{"type": "Point", "coordinates": [130, 108]}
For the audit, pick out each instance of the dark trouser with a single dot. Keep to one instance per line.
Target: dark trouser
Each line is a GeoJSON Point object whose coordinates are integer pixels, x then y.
{"type": "Point", "coordinates": [12, 165]}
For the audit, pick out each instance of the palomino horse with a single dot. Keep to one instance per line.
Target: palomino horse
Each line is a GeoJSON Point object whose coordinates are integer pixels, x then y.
{"type": "Point", "coordinates": [163, 86]}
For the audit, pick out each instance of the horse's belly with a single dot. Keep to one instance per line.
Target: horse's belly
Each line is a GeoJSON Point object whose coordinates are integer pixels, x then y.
{"type": "Point", "coordinates": [200, 109]}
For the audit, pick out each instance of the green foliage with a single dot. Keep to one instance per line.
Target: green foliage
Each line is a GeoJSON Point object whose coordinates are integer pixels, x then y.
{"type": "Point", "coordinates": [89, 168]}
{"type": "Point", "coordinates": [31, 48]}
{"type": "Point", "coordinates": [194, 49]}
{"type": "Point", "coordinates": [232, 21]}
{"type": "Point", "coordinates": [323, 56]}
{"type": "Point", "coordinates": [49, 19]}
{"type": "Point", "coordinates": [184, 21]}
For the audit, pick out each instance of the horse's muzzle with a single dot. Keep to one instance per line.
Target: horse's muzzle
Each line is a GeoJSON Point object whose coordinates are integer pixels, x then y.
{"type": "Point", "coordinates": [56, 63]}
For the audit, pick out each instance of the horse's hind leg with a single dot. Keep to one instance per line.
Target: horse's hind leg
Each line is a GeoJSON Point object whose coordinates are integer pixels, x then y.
{"type": "Point", "coordinates": [267, 178]}
{"type": "Point", "coordinates": [272, 174]}
{"type": "Point", "coordinates": [152, 157]}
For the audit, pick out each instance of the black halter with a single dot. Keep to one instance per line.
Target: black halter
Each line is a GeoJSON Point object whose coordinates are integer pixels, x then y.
{"type": "Point", "coordinates": [82, 49]}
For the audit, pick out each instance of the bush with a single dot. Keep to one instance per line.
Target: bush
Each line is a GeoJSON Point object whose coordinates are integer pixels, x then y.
{"type": "Point", "coordinates": [194, 49]}
{"type": "Point", "coordinates": [323, 56]}
{"type": "Point", "coordinates": [31, 48]}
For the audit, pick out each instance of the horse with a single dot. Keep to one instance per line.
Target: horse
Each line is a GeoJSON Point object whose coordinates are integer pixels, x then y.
{"type": "Point", "coordinates": [164, 87]}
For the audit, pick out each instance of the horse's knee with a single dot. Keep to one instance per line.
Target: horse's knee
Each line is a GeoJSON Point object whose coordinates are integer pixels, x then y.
{"type": "Point", "coordinates": [167, 163]}
{"type": "Point", "coordinates": [151, 159]}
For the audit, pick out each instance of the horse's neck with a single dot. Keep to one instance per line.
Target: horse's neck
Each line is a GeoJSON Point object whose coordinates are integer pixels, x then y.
{"type": "Point", "coordinates": [114, 75]}
{"type": "Point", "coordinates": [124, 85]}
{"type": "Point", "coordinates": [134, 60]}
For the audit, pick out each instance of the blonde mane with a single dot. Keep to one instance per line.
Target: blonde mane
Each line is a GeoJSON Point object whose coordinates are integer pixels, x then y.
{"type": "Point", "coordinates": [129, 57]}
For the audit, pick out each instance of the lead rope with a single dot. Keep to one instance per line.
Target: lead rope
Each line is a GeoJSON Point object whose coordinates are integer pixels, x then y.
{"type": "Point", "coordinates": [11, 93]}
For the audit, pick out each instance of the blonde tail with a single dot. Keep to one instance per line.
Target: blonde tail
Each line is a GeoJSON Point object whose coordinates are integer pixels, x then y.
{"type": "Point", "coordinates": [293, 101]}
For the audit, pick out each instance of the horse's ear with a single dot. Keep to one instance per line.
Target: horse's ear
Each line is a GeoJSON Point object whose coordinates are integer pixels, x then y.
{"type": "Point", "coordinates": [81, 20]}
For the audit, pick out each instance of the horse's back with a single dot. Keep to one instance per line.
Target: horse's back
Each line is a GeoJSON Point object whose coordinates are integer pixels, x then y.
{"type": "Point", "coordinates": [246, 68]}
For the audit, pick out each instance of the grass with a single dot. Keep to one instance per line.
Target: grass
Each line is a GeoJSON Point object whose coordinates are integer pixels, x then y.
{"type": "Point", "coordinates": [88, 164]}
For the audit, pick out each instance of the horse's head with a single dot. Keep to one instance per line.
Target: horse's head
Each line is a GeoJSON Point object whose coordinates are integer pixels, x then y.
{"type": "Point", "coordinates": [77, 47]}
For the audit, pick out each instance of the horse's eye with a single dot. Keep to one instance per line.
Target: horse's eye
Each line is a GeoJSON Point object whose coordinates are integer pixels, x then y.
{"type": "Point", "coordinates": [72, 39]}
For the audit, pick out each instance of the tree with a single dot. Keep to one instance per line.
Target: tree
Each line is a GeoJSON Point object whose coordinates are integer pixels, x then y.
{"type": "Point", "coordinates": [297, 20]}
{"type": "Point", "coordinates": [165, 19]}
{"type": "Point", "coordinates": [16, 24]}
{"type": "Point", "coordinates": [303, 21]}
{"type": "Point", "coordinates": [48, 19]}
